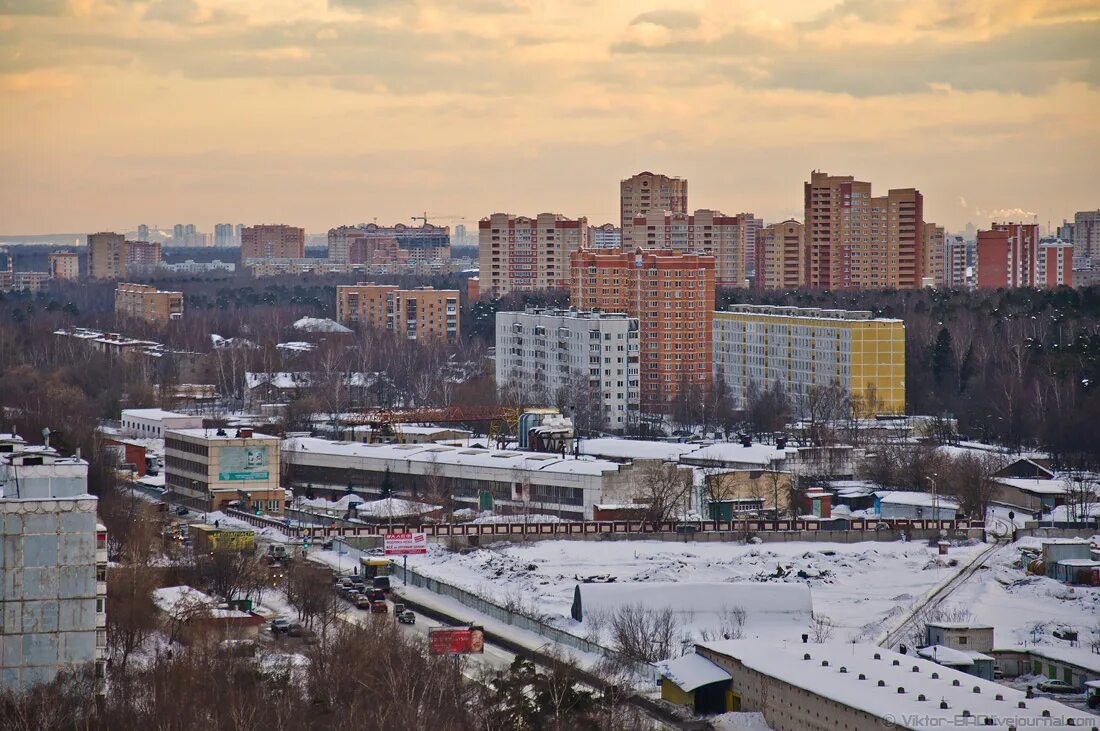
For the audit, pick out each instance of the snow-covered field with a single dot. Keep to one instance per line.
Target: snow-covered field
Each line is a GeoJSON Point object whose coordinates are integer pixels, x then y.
{"type": "Point", "coordinates": [1004, 596]}
{"type": "Point", "coordinates": [859, 586]}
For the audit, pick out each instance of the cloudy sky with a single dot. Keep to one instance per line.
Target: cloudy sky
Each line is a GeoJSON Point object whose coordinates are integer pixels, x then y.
{"type": "Point", "coordinates": [322, 112]}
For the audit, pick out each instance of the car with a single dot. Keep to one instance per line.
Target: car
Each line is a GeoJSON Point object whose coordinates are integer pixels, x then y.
{"type": "Point", "coordinates": [379, 608]}
{"type": "Point", "coordinates": [376, 595]}
{"type": "Point", "coordinates": [345, 582]}
{"type": "Point", "coordinates": [406, 617]}
{"type": "Point", "coordinates": [399, 607]}
{"type": "Point", "coordinates": [352, 595]}
{"type": "Point", "coordinates": [381, 582]}
{"type": "Point", "coordinates": [1056, 686]}
{"type": "Point", "coordinates": [363, 602]}
{"type": "Point", "coordinates": [327, 545]}
{"type": "Point", "coordinates": [182, 510]}
{"type": "Point", "coordinates": [357, 580]}
{"type": "Point", "coordinates": [280, 625]}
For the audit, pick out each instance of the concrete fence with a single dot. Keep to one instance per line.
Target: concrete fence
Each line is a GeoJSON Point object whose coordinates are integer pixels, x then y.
{"type": "Point", "coordinates": [502, 614]}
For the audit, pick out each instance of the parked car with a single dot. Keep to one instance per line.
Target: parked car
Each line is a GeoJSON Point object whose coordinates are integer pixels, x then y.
{"type": "Point", "coordinates": [406, 617]}
{"type": "Point", "coordinates": [379, 608]}
{"type": "Point", "coordinates": [398, 608]}
{"type": "Point", "coordinates": [182, 510]}
{"type": "Point", "coordinates": [1056, 686]}
{"type": "Point", "coordinates": [280, 625]}
{"type": "Point", "coordinates": [363, 602]}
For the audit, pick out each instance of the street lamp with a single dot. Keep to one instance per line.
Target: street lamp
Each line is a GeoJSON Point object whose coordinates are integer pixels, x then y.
{"type": "Point", "coordinates": [935, 502]}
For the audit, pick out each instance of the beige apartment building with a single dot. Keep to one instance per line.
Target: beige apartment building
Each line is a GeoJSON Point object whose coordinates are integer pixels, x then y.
{"type": "Point", "coordinates": [423, 313]}
{"type": "Point", "coordinates": [524, 254]}
{"type": "Point", "coordinates": [780, 261]}
{"type": "Point", "coordinates": [111, 256]}
{"type": "Point", "coordinates": [726, 238]}
{"type": "Point", "coordinates": [265, 241]}
{"type": "Point", "coordinates": [645, 193]}
{"type": "Point", "coordinates": [64, 265]}
{"type": "Point", "coordinates": [145, 302]}
{"type": "Point", "coordinates": [855, 240]}
{"type": "Point", "coordinates": [932, 255]}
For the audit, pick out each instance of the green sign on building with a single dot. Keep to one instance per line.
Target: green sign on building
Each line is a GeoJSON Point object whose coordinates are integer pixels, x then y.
{"type": "Point", "coordinates": [243, 463]}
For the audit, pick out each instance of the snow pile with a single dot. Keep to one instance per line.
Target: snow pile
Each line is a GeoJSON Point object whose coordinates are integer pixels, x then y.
{"type": "Point", "coordinates": [320, 325]}
{"type": "Point", "coordinates": [489, 517]}
{"type": "Point", "coordinates": [749, 721]}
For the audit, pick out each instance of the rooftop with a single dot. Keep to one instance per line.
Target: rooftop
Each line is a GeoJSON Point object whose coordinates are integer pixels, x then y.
{"type": "Point", "coordinates": [212, 434]}
{"type": "Point", "coordinates": [892, 684]}
{"type": "Point", "coordinates": [157, 414]}
{"type": "Point", "coordinates": [918, 499]}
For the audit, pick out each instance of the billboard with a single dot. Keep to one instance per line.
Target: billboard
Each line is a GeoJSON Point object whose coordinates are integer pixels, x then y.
{"type": "Point", "coordinates": [456, 640]}
{"type": "Point", "coordinates": [243, 463]}
{"type": "Point", "coordinates": [404, 544]}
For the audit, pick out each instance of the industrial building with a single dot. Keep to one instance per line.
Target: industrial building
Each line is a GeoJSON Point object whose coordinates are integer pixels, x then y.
{"type": "Point", "coordinates": [502, 480]}
{"type": "Point", "coordinates": [53, 560]}
{"type": "Point", "coordinates": [152, 423]}
{"type": "Point", "coordinates": [212, 467]}
{"type": "Point", "coordinates": [804, 348]}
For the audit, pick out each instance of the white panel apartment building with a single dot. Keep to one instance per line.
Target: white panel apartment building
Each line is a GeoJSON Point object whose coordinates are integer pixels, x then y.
{"type": "Point", "coordinates": [523, 253]}
{"type": "Point", "coordinates": [53, 560]}
{"type": "Point", "coordinates": [543, 350]}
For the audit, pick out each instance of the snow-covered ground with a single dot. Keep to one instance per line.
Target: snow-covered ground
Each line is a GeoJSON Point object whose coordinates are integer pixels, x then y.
{"type": "Point", "coordinates": [859, 586]}
{"type": "Point", "coordinates": [1004, 596]}
{"type": "Point", "coordinates": [739, 722]}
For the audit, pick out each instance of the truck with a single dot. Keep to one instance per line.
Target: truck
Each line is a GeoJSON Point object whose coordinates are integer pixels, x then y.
{"type": "Point", "coordinates": [207, 538]}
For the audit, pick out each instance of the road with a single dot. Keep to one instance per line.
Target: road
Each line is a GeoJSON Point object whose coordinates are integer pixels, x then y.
{"type": "Point", "coordinates": [903, 632]}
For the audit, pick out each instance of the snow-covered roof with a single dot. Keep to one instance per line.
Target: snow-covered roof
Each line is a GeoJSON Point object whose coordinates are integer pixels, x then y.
{"type": "Point", "coordinates": [1038, 487]}
{"type": "Point", "coordinates": [413, 429]}
{"type": "Point", "coordinates": [959, 625]}
{"type": "Point", "coordinates": [950, 656]}
{"type": "Point", "coordinates": [919, 499]}
{"type": "Point", "coordinates": [299, 379]}
{"type": "Point", "coordinates": [692, 671]}
{"type": "Point", "coordinates": [838, 680]}
{"type": "Point", "coordinates": [297, 346]}
{"type": "Point", "coordinates": [392, 507]}
{"type": "Point", "coordinates": [733, 453]}
{"type": "Point", "coordinates": [1079, 656]}
{"type": "Point", "coordinates": [155, 414]}
{"type": "Point", "coordinates": [612, 448]}
{"type": "Point", "coordinates": [427, 454]}
{"type": "Point", "coordinates": [320, 325]}
{"type": "Point", "coordinates": [1079, 563]}
{"type": "Point", "coordinates": [212, 434]}
{"type": "Point", "coordinates": [179, 600]}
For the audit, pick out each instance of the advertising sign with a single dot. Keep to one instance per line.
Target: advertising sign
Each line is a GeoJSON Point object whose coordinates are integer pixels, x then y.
{"type": "Point", "coordinates": [456, 640]}
{"type": "Point", "coordinates": [404, 544]}
{"type": "Point", "coordinates": [243, 463]}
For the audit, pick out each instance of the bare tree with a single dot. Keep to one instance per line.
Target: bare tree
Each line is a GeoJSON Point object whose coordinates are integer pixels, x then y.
{"type": "Point", "coordinates": [643, 634]}
{"type": "Point", "coordinates": [663, 490]}
{"type": "Point", "coordinates": [821, 630]}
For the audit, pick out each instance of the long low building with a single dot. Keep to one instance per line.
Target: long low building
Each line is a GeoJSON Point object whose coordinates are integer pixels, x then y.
{"type": "Point", "coordinates": [507, 481]}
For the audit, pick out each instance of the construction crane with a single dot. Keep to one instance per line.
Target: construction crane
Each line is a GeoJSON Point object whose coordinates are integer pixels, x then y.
{"type": "Point", "coordinates": [446, 217]}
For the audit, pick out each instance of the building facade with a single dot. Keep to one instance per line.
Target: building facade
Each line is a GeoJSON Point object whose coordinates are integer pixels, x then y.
{"type": "Point", "coordinates": [369, 243]}
{"type": "Point", "coordinates": [646, 193]}
{"type": "Point", "coordinates": [64, 265]}
{"type": "Point", "coordinates": [1086, 234]}
{"type": "Point", "coordinates": [729, 239]}
{"type": "Point", "coordinates": [672, 295]}
{"type": "Point", "coordinates": [265, 241]}
{"type": "Point", "coordinates": [779, 256]}
{"type": "Point", "coordinates": [606, 236]}
{"type": "Point", "coordinates": [802, 349]}
{"type": "Point", "coordinates": [146, 302]}
{"type": "Point", "coordinates": [954, 261]}
{"type": "Point", "coordinates": [855, 240]}
{"type": "Point", "coordinates": [54, 563]}
{"type": "Point", "coordinates": [556, 352]}
{"type": "Point", "coordinates": [1012, 255]}
{"type": "Point", "coordinates": [212, 467]}
{"type": "Point", "coordinates": [932, 255]}
{"type": "Point", "coordinates": [524, 254]}
{"type": "Point", "coordinates": [106, 255]}
{"type": "Point", "coordinates": [423, 313]}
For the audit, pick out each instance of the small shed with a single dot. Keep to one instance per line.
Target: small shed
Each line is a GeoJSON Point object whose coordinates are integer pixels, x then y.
{"type": "Point", "coordinates": [1083, 571]}
{"type": "Point", "coordinates": [968, 661]}
{"type": "Point", "coordinates": [914, 506]}
{"type": "Point", "coordinates": [696, 682]}
{"type": "Point", "coordinates": [1056, 551]}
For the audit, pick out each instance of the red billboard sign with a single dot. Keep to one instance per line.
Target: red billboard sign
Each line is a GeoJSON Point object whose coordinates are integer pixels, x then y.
{"type": "Point", "coordinates": [405, 544]}
{"type": "Point", "coordinates": [456, 640]}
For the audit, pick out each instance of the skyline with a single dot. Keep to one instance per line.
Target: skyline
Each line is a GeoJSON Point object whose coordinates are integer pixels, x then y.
{"type": "Point", "coordinates": [319, 114]}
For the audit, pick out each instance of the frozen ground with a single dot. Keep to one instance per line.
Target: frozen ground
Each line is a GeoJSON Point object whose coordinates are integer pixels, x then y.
{"type": "Point", "coordinates": [739, 722]}
{"type": "Point", "coordinates": [858, 586]}
{"type": "Point", "coordinates": [1004, 596]}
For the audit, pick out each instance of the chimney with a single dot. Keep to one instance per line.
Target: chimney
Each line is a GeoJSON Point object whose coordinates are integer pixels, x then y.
{"type": "Point", "coordinates": [244, 433]}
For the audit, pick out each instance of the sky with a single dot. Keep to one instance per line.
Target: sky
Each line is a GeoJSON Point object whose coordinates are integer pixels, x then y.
{"type": "Point", "coordinates": [325, 112]}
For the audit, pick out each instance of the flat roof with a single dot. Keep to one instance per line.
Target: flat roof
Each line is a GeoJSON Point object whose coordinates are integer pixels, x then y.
{"type": "Point", "coordinates": [212, 434]}
{"type": "Point", "coordinates": [832, 671]}
{"type": "Point", "coordinates": [157, 414]}
{"type": "Point", "coordinates": [692, 671]}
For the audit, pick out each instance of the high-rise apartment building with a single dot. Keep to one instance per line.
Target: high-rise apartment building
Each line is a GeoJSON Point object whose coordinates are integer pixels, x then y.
{"type": "Point", "coordinates": [106, 255]}
{"type": "Point", "coordinates": [726, 238]}
{"type": "Point", "coordinates": [223, 234]}
{"type": "Point", "coordinates": [550, 354]}
{"type": "Point", "coordinates": [779, 256]}
{"type": "Point", "coordinates": [64, 264]}
{"type": "Point", "coordinates": [143, 232]}
{"type": "Point", "coordinates": [178, 232]}
{"type": "Point", "coordinates": [756, 346]}
{"type": "Point", "coordinates": [370, 243]}
{"type": "Point", "coordinates": [954, 261]}
{"type": "Point", "coordinates": [854, 240]}
{"type": "Point", "coordinates": [423, 313]}
{"type": "Point", "coordinates": [672, 295]}
{"type": "Point", "coordinates": [145, 302]}
{"type": "Point", "coordinates": [523, 254]}
{"type": "Point", "coordinates": [53, 557]}
{"type": "Point", "coordinates": [605, 236]}
{"type": "Point", "coordinates": [1011, 255]}
{"type": "Point", "coordinates": [265, 241]}
{"type": "Point", "coordinates": [646, 193]}
{"type": "Point", "coordinates": [932, 255]}
{"type": "Point", "coordinates": [111, 256]}
{"type": "Point", "coordinates": [1086, 235]}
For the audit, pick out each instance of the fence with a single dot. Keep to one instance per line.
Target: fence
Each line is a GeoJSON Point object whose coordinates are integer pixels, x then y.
{"type": "Point", "coordinates": [490, 609]}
